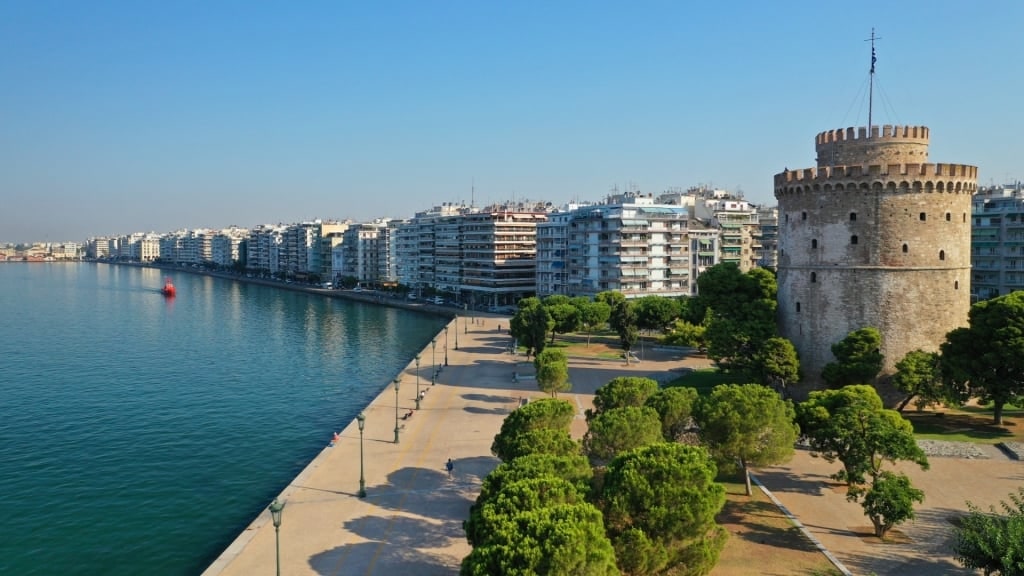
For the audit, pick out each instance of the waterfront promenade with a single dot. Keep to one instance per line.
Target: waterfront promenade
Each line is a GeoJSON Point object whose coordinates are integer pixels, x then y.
{"type": "Point", "coordinates": [411, 519]}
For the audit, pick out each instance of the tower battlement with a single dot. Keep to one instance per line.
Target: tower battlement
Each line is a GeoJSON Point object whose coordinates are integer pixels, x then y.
{"type": "Point", "coordinates": [878, 145]}
{"type": "Point", "coordinates": [886, 172]}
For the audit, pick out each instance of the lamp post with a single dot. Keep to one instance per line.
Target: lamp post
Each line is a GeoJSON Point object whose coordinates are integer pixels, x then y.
{"type": "Point", "coordinates": [361, 420]}
{"type": "Point", "coordinates": [276, 507]}
{"type": "Point", "coordinates": [445, 345]}
{"type": "Point", "coordinates": [398, 382]}
{"type": "Point", "coordinates": [456, 331]}
{"type": "Point", "coordinates": [417, 381]}
{"type": "Point", "coordinates": [433, 360]}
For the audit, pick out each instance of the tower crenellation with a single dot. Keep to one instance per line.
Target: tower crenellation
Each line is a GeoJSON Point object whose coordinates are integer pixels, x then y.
{"type": "Point", "coordinates": [873, 236]}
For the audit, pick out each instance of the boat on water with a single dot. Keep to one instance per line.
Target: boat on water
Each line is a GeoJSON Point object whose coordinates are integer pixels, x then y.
{"type": "Point", "coordinates": [168, 289]}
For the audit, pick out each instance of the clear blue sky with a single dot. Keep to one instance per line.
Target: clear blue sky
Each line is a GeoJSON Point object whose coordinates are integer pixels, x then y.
{"type": "Point", "coordinates": [136, 116]}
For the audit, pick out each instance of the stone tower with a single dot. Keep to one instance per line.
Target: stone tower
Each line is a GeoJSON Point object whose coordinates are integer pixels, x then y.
{"type": "Point", "coordinates": [874, 236]}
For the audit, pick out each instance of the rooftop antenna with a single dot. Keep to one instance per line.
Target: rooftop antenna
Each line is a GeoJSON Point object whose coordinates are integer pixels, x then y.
{"type": "Point", "coordinates": [871, 81]}
{"type": "Point", "coordinates": [472, 192]}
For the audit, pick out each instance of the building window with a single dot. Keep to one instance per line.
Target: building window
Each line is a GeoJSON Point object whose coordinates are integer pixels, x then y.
{"type": "Point", "coordinates": [906, 248]}
{"type": "Point", "coordinates": [956, 285]}
{"type": "Point", "coordinates": [965, 217]}
{"type": "Point", "coordinates": [853, 239]}
{"type": "Point", "coordinates": [814, 243]}
{"type": "Point", "coordinates": [798, 307]}
{"type": "Point", "coordinates": [942, 254]}
{"type": "Point", "coordinates": [922, 216]}
{"type": "Point", "coordinates": [853, 216]}
{"type": "Point", "coordinates": [787, 218]}
{"type": "Point", "coordinates": [814, 277]}
{"type": "Point", "coordinates": [803, 215]}
{"type": "Point", "coordinates": [949, 217]}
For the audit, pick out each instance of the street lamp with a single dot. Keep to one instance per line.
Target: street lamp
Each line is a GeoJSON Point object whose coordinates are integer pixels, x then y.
{"type": "Point", "coordinates": [445, 345]}
{"type": "Point", "coordinates": [361, 420]}
{"type": "Point", "coordinates": [456, 331]}
{"type": "Point", "coordinates": [417, 381]}
{"type": "Point", "coordinates": [433, 360]}
{"type": "Point", "coordinates": [276, 507]}
{"type": "Point", "coordinates": [398, 382]}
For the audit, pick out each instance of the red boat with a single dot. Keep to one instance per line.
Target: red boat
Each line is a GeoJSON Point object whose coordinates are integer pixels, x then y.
{"type": "Point", "coordinates": [168, 289]}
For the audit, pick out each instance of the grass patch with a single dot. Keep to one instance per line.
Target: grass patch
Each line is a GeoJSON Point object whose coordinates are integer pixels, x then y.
{"type": "Point", "coordinates": [762, 540]}
{"type": "Point", "coordinates": [963, 425]}
{"type": "Point", "coordinates": [706, 379]}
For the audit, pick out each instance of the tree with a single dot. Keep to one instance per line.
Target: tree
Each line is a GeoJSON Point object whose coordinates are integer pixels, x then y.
{"type": "Point", "coordinates": [622, 392]}
{"type": "Point", "coordinates": [890, 501]}
{"type": "Point", "coordinates": [623, 321]}
{"type": "Point", "coordinates": [851, 425]}
{"type": "Point", "coordinates": [986, 359]}
{"type": "Point", "coordinates": [777, 364]}
{"type": "Point", "coordinates": [552, 540]}
{"type": "Point", "coordinates": [552, 371]}
{"type": "Point", "coordinates": [742, 313]}
{"type": "Point", "coordinates": [667, 493]}
{"type": "Point", "coordinates": [919, 377]}
{"type": "Point", "coordinates": [674, 406]}
{"type": "Point", "coordinates": [530, 325]}
{"type": "Point", "coordinates": [993, 542]}
{"type": "Point", "coordinates": [683, 333]}
{"type": "Point", "coordinates": [746, 424]}
{"type": "Point", "coordinates": [615, 431]}
{"type": "Point", "coordinates": [592, 314]}
{"type": "Point", "coordinates": [656, 312]}
{"type": "Point", "coordinates": [564, 315]}
{"type": "Point", "coordinates": [515, 497]}
{"type": "Point", "coordinates": [541, 441]}
{"type": "Point", "coordinates": [858, 359]}
{"type": "Point", "coordinates": [546, 413]}
{"type": "Point", "coordinates": [574, 469]}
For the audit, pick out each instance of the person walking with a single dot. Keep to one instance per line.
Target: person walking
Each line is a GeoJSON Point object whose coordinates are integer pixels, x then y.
{"type": "Point", "coordinates": [449, 466]}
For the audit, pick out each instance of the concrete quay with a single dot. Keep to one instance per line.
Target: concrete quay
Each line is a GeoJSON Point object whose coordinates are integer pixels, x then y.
{"type": "Point", "coordinates": [411, 519]}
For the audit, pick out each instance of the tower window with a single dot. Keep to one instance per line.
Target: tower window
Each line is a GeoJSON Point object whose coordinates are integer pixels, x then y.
{"type": "Point", "coordinates": [853, 239]}
{"type": "Point", "coordinates": [797, 306]}
{"type": "Point", "coordinates": [922, 216]}
{"type": "Point", "coordinates": [965, 216]}
{"type": "Point", "coordinates": [956, 285]}
{"type": "Point", "coordinates": [814, 277]}
{"type": "Point", "coordinates": [814, 243]}
{"type": "Point", "coordinates": [906, 249]}
{"type": "Point", "coordinates": [942, 254]}
{"type": "Point", "coordinates": [949, 217]}
{"type": "Point", "coordinates": [787, 218]}
{"type": "Point", "coordinates": [803, 215]}
{"type": "Point", "coordinates": [853, 216]}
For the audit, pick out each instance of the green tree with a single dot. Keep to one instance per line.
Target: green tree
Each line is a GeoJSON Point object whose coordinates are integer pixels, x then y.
{"type": "Point", "coordinates": [656, 312]}
{"type": "Point", "coordinates": [574, 469]}
{"type": "Point", "coordinates": [552, 371]}
{"type": "Point", "coordinates": [623, 321]}
{"type": "Point", "coordinates": [858, 359]}
{"type": "Point", "coordinates": [675, 407]}
{"type": "Point", "coordinates": [683, 333]}
{"type": "Point", "coordinates": [890, 501]}
{"type": "Point", "coordinates": [564, 314]}
{"type": "Point", "coordinates": [541, 441]}
{"type": "Point", "coordinates": [777, 364]}
{"type": "Point", "coordinates": [546, 413]}
{"type": "Point", "coordinates": [851, 425]}
{"type": "Point", "coordinates": [742, 313]}
{"type": "Point", "coordinates": [919, 377]}
{"type": "Point", "coordinates": [993, 542]}
{"type": "Point", "coordinates": [515, 497]}
{"type": "Point", "coordinates": [667, 493]}
{"type": "Point", "coordinates": [615, 431]}
{"type": "Point", "coordinates": [986, 359]}
{"type": "Point", "coordinates": [592, 314]}
{"type": "Point", "coordinates": [746, 424]}
{"type": "Point", "coordinates": [531, 324]}
{"type": "Point", "coordinates": [552, 540]}
{"type": "Point", "coordinates": [622, 392]}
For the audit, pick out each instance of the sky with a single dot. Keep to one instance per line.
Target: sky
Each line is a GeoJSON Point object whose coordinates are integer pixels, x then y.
{"type": "Point", "coordinates": [137, 116]}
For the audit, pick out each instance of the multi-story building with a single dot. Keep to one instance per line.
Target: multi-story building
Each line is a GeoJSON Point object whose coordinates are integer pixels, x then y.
{"type": "Point", "coordinates": [997, 241]}
{"type": "Point", "coordinates": [499, 255]}
{"type": "Point", "coordinates": [228, 246]}
{"type": "Point", "coordinates": [363, 253]}
{"type": "Point", "coordinates": [263, 248]}
{"type": "Point", "coordinates": [768, 222]}
{"type": "Point", "coordinates": [552, 253]}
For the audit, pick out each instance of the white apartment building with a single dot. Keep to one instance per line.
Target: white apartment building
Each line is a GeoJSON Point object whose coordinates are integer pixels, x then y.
{"type": "Point", "coordinates": [263, 248]}
{"type": "Point", "coordinates": [226, 246]}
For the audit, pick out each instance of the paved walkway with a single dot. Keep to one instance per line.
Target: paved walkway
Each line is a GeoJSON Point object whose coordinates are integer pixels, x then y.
{"type": "Point", "coordinates": [411, 520]}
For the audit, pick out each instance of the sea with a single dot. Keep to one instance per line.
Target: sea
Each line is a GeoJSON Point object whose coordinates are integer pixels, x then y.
{"type": "Point", "coordinates": [141, 435]}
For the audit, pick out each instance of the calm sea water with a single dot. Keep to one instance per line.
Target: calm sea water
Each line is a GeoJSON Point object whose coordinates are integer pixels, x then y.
{"type": "Point", "coordinates": [140, 435]}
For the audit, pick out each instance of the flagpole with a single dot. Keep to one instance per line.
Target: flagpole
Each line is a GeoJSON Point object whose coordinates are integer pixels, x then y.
{"type": "Point", "coordinates": [871, 81]}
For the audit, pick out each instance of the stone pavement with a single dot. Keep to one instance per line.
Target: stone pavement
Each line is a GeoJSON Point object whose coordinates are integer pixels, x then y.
{"type": "Point", "coordinates": [411, 519]}
{"type": "Point", "coordinates": [804, 487]}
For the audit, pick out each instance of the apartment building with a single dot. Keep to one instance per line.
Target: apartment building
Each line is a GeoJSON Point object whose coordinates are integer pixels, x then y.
{"type": "Point", "coordinates": [997, 241]}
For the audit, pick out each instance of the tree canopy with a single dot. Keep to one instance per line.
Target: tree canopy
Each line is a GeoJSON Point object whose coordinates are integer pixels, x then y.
{"type": "Point", "coordinates": [592, 314]}
{"type": "Point", "coordinates": [890, 501]}
{"type": "Point", "coordinates": [552, 371]}
{"type": "Point", "coordinates": [564, 314]}
{"type": "Point", "coordinates": [748, 424]}
{"type": "Point", "coordinates": [574, 469]}
{"type": "Point", "coordinates": [656, 312]}
{"type": "Point", "coordinates": [622, 392]}
{"type": "Point", "coordinates": [986, 358]}
{"type": "Point", "coordinates": [530, 325]}
{"type": "Point", "coordinates": [919, 376]}
{"type": "Point", "coordinates": [660, 503]}
{"type": "Point", "coordinates": [617, 430]}
{"type": "Point", "coordinates": [514, 497]}
{"type": "Point", "coordinates": [776, 364]}
{"type": "Point", "coordinates": [742, 309]}
{"type": "Point", "coordinates": [992, 541]}
{"type": "Point", "coordinates": [858, 359]}
{"type": "Point", "coordinates": [675, 408]}
{"type": "Point", "coordinates": [545, 413]}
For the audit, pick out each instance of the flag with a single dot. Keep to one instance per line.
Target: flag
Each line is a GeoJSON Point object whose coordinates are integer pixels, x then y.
{"type": "Point", "coordinates": [873, 59]}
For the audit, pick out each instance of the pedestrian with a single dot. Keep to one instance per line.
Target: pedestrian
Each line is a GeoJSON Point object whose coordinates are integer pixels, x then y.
{"type": "Point", "coordinates": [423, 394]}
{"type": "Point", "coordinates": [449, 466]}
{"type": "Point", "coordinates": [335, 439]}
